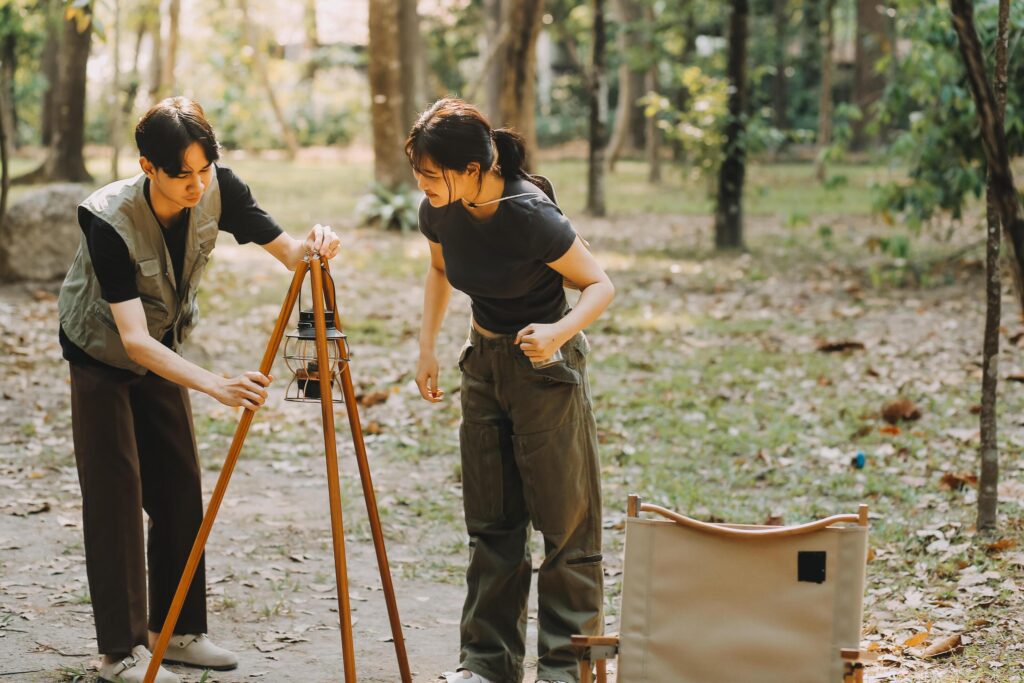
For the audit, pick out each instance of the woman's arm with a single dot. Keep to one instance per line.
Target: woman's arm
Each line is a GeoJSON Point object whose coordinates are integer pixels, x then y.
{"type": "Point", "coordinates": [539, 341]}
{"type": "Point", "coordinates": [246, 390]}
{"type": "Point", "coordinates": [437, 293]}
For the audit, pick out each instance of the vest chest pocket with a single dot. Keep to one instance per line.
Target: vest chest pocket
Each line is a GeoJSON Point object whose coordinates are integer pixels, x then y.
{"type": "Point", "coordinates": [154, 292]}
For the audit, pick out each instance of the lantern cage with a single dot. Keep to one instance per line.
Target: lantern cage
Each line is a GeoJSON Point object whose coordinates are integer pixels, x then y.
{"type": "Point", "coordinates": [301, 358]}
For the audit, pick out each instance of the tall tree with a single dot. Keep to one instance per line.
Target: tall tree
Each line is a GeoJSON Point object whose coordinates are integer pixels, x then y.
{"type": "Point", "coordinates": [873, 41]}
{"type": "Point", "coordinates": [413, 63]}
{"type": "Point", "coordinates": [64, 158]}
{"type": "Point", "coordinates": [781, 20]}
{"type": "Point", "coordinates": [993, 139]}
{"type": "Point", "coordinates": [988, 482]}
{"type": "Point", "coordinates": [729, 208]}
{"type": "Point", "coordinates": [653, 133]}
{"type": "Point", "coordinates": [259, 66]}
{"type": "Point", "coordinates": [825, 101]}
{"type": "Point", "coordinates": [516, 101]}
{"type": "Point", "coordinates": [390, 167]}
{"type": "Point", "coordinates": [5, 179]}
{"type": "Point", "coordinates": [629, 131]}
{"type": "Point", "coordinates": [492, 71]}
{"type": "Point", "coordinates": [156, 58]}
{"type": "Point", "coordinates": [312, 40]}
{"type": "Point", "coordinates": [48, 65]}
{"type": "Point", "coordinates": [115, 94]}
{"type": "Point", "coordinates": [598, 86]}
{"type": "Point", "coordinates": [167, 82]}
{"type": "Point", "coordinates": [8, 68]}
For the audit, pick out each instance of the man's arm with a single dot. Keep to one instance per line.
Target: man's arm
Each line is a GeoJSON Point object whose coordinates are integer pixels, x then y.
{"type": "Point", "coordinates": [289, 251]}
{"type": "Point", "coordinates": [246, 390]}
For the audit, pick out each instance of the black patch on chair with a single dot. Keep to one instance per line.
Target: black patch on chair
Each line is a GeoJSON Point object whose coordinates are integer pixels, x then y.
{"type": "Point", "coordinates": [810, 566]}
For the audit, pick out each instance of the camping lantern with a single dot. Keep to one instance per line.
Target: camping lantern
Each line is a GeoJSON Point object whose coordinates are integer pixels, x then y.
{"type": "Point", "coordinates": [301, 358]}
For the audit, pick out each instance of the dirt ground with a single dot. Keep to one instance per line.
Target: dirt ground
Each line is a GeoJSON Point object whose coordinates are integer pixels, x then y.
{"type": "Point", "coordinates": [269, 564]}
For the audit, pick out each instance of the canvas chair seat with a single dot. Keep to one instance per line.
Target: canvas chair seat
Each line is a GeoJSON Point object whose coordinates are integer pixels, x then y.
{"type": "Point", "coordinates": [717, 603]}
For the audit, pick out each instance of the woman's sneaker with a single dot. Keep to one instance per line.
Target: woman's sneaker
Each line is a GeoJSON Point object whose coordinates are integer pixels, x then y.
{"type": "Point", "coordinates": [132, 669]}
{"type": "Point", "coordinates": [200, 652]}
{"type": "Point", "coordinates": [463, 676]}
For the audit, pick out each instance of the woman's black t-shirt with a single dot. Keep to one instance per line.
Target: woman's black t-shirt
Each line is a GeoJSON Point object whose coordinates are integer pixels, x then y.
{"type": "Point", "coordinates": [501, 263]}
{"type": "Point", "coordinates": [240, 215]}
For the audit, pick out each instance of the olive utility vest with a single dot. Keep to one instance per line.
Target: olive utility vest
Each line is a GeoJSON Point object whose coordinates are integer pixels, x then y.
{"type": "Point", "coordinates": [170, 306]}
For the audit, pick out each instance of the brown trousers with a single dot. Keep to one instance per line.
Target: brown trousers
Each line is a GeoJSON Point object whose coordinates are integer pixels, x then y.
{"type": "Point", "coordinates": [136, 450]}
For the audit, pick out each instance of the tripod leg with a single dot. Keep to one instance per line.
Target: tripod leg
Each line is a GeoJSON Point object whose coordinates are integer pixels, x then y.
{"type": "Point", "coordinates": [333, 480]}
{"type": "Point", "coordinates": [371, 505]}
{"type": "Point", "coordinates": [222, 482]}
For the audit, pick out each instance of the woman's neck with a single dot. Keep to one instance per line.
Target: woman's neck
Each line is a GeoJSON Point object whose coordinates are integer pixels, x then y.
{"type": "Point", "coordinates": [493, 187]}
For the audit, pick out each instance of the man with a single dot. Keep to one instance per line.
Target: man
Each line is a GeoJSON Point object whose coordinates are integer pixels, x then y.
{"type": "Point", "coordinates": [126, 306]}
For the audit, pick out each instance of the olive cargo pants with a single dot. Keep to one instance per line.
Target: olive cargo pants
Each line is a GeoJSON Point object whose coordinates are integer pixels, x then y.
{"type": "Point", "coordinates": [529, 456]}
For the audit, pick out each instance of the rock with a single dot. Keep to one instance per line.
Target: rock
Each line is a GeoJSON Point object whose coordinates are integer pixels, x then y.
{"type": "Point", "coordinates": [40, 233]}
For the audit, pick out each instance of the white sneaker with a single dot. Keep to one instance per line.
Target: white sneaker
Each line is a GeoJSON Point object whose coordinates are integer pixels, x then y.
{"type": "Point", "coordinates": [132, 669]}
{"type": "Point", "coordinates": [463, 676]}
{"type": "Point", "coordinates": [199, 651]}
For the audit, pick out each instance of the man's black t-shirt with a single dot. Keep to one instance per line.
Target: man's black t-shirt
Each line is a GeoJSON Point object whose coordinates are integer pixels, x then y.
{"type": "Point", "coordinates": [501, 263]}
{"type": "Point", "coordinates": [240, 215]}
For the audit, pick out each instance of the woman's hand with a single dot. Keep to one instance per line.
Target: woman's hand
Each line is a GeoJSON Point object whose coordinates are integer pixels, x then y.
{"type": "Point", "coordinates": [427, 371]}
{"type": "Point", "coordinates": [245, 391]}
{"type": "Point", "coordinates": [540, 341]}
{"type": "Point", "coordinates": [322, 240]}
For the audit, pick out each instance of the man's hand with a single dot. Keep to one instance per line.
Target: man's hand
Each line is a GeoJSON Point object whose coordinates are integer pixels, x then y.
{"type": "Point", "coordinates": [427, 371]}
{"type": "Point", "coordinates": [322, 240]}
{"type": "Point", "coordinates": [246, 391]}
{"type": "Point", "coordinates": [540, 341]}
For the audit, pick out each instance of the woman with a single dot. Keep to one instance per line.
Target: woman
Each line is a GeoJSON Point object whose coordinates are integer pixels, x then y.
{"type": "Point", "coordinates": [528, 438]}
{"type": "Point", "coordinates": [126, 306]}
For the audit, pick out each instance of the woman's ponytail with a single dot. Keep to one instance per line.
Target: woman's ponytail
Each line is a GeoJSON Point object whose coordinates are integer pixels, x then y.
{"type": "Point", "coordinates": [511, 152]}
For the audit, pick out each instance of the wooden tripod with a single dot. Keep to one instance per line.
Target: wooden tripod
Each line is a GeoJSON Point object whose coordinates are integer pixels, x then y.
{"type": "Point", "coordinates": [321, 297]}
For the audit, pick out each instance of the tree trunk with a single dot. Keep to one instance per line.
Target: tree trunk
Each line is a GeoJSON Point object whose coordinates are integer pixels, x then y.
{"type": "Point", "coordinates": [517, 101]}
{"type": "Point", "coordinates": [825, 101]}
{"type": "Point", "coordinates": [115, 95]}
{"type": "Point", "coordinates": [168, 85]}
{"type": "Point", "coordinates": [868, 84]}
{"type": "Point", "coordinates": [156, 59]}
{"type": "Point", "coordinates": [653, 142]}
{"type": "Point", "coordinates": [9, 65]}
{"type": "Point", "coordinates": [48, 64]}
{"type": "Point", "coordinates": [413, 64]}
{"type": "Point", "coordinates": [988, 482]}
{"type": "Point", "coordinates": [993, 139]}
{"type": "Point", "coordinates": [729, 209]}
{"type": "Point", "coordinates": [65, 160]}
{"type": "Point", "coordinates": [390, 167]}
{"type": "Point", "coordinates": [628, 113]}
{"type": "Point", "coordinates": [5, 180]}
{"type": "Point", "coordinates": [259, 66]}
{"type": "Point", "coordinates": [598, 116]}
{"type": "Point", "coordinates": [493, 70]}
{"type": "Point", "coordinates": [781, 19]}
{"type": "Point", "coordinates": [312, 41]}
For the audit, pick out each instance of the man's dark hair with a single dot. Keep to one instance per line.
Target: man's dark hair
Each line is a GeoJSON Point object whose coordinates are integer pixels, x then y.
{"type": "Point", "coordinates": [169, 127]}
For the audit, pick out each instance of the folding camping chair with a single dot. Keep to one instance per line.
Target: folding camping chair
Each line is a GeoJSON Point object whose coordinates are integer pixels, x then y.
{"type": "Point", "coordinates": [725, 603]}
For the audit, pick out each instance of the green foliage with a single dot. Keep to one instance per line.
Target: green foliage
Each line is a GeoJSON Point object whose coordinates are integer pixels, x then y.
{"type": "Point", "coordinates": [391, 209]}
{"type": "Point", "coordinates": [929, 99]}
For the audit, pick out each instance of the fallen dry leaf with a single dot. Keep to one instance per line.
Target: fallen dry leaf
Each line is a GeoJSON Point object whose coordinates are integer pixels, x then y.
{"type": "Point", "coordinates": [900, 410]}
{"type": "Point", "coordinates": [955, 481]}
{"type": "Point", "coordinates": [1001, 545]}
{"type": "Point", "coordinates": [916, 639]}
{"type": "Point", "coordinates": [372, 398]}
{"type": "Point", "coordinates": [840, 346]}
{"type": "Point", "coordinates": [945, 646]}
{"type": "Point", "coordinates": [892, 430]}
